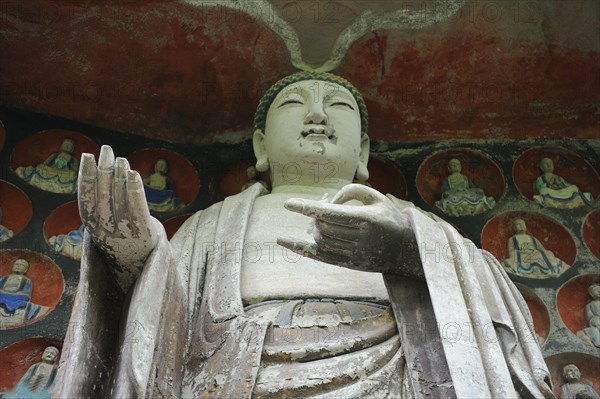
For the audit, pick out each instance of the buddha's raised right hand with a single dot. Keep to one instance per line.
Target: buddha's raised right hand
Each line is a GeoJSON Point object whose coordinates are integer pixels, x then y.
{"type": "Point", "coordinates": [113, 209]}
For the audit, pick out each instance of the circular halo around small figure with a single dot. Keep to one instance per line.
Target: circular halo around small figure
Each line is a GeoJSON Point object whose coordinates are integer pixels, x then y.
{"type": "Point", "coordinates": [385, 177]}
{"type": "Point", "coordinates": [590, 231]}
{"type": "Point", "coordinates": [473, 188]}
{"type": "Point", "coordinates": [17, 358]}
{"type": "Point", "coordinates": [587, 365]}
{"type": "Point", "coordinates": [31, 285]}
{"type": "Point", "coordinates": [49, 160]}
{"type": "Point", "coordinates": [63, 230]}
{"type": "Point", "coordinates": [576, 309]}
{"type": "Point", "coordinates": [573, 182]}
{"type": "Point", "coordinates": [170, 181]}
{"type": "Point", "coordinates": [529, 244]}
{"type": "Point", "coordinates": [16, 210]}
{"type": "Point", "coordinates": [539, 313]}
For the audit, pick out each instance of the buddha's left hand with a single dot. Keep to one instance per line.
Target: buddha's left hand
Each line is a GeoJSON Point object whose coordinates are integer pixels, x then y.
{"type": "Point", "coordinates": [374, 237]}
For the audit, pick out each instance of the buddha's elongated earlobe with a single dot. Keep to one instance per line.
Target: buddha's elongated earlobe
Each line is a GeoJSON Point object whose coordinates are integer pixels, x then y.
{"type": "Point", "coordinates": [362, 173]}
{"type": "Point", "coordinates": [260, 151]}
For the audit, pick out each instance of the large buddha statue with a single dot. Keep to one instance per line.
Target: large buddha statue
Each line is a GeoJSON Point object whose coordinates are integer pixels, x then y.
{"type": "Point", "coordinates": [528, 257]}
{"type": "Point", "coordinates": [552, 191]}
{"type": "Point", "coordinates": [320, 287]}
{"type": "Point", "coordinates": [15, 297]}
{"type": "Point", "coordinates": [573, 388]}
{"type": "Point", "coordinates": [591, 334]}
{"type": "Point", "coordinates": [159, 189]}
{"type": "Point", "coordinates": [38, 380]}
{"type": "Point", "coordinates": [58, 173]}
{"type": "Point", "coordinates": [460, 196]}
{"type": "Point", "coordinates": [5, 233]}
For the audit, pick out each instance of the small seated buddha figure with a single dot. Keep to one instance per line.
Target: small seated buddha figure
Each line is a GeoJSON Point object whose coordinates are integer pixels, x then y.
{"type": "Point", "coordinates": [58, 173]}
{"type": "Point", "coordinates": [573, 389]}
{"type": "Point", "coordinates": [591, 335]}
{"type": "Point", "coordinates": [253, 178]}
{"type": "Point", "coordinates": [15, 297]}
{"type": "Point", "coordinates": [5, 233]}
{"type": "Point", "coordinates": [552, 191]}
{"type": "Point", "coordinates": [68, 244]}
{"type": "Point", "coordinates": [460, 197]}
{"type": "Point", "coordinates": [159, 189]}
{"type": "Point", "coordinates": [38, 379]}
{"type": "Point", "coordinates": [527, 256]}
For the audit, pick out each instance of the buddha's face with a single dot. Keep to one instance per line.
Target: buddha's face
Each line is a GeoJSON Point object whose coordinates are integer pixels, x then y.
{"type": "Point", "coordinates": [571, 373]}
{"type": "Point", "coordinates": [312, 123]}
{"type": "Point", "coordinates": [454, 166]}
{"type": "Point", "coordinates": [161, 166]}
{"type": "Point", "coordinates": [68, 146]}
{"type": "Point", "coordinates": [20, 266]}
{"type": "Point", "coordinates": [594, 291]}
{"type": "Point", "coordinates": [546, 165]}
{"type": "Point", "coordinates": [50, 354]}
{"type": "Point", "coordinates": [519, 226]}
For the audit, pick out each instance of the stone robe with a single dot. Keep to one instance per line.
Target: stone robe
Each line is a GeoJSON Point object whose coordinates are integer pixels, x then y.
{"type": "Point", "coordinates": [184, 329]}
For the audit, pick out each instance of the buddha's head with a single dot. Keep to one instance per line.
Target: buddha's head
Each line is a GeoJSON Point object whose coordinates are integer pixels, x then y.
{"type": "Point", "coordinates": [546, 165]}
{"type": "Point", "coordinates": [312, 127]}
{"type": "Point", "coordinates": [518, 226]}
{"type": "Point", "coordinates": [454, 166]}
{"type": "Point", "coordinates": [50, 354]}
{"type": "Point", "coordinates": [594, 291]}
{"type": "Point", "coordinates": [161, 166]}
{"type": "Point", "coordinates": [20, 266]}
{"type": "Point", "coordinates": [571, 373]}
{"type": "Point", "coordinates": [67, 146]}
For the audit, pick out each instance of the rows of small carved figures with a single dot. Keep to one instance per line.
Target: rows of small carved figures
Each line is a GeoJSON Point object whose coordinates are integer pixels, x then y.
{"type": "Point", "coordinates": [457, 183]}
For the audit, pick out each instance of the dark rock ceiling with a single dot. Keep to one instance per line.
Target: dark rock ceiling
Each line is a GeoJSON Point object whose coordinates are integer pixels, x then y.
{"type": "Point", "coordinates": [193, 71]}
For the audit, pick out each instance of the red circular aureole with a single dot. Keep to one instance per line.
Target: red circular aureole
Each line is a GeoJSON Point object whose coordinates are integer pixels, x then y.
{"type": "Point", "coordinates": [386, 178]}
{"type": "Point", "coordinates": [62, 220]}
{"type": "Point", "coordinates": [571, 300]}
{"type": "Point", "coordinates": [186, 182]}
{"type": "Point", "coordinates": [482, 171]}
{"type": "Point", "coordinates": [235, 178]}
{"type": "Point", "coordinates": [554, 237]}
{"type": "Point", "coordinates": [587, 365]}
{"type": "Point", "coordinates": [173, 224]}
{"type": "Point", "coordinates": [567, 165]}
{"type": "Point", "coordinates": [16, 207]}
{"type": "Point", "coordinates": [2, 135]}
{"type": "Point", "coordinates": [591, 232]}
{"type": "Point", "coordinates": [46, 277]}
{"type": "Point", "coordinates": [539, 313]}
{"type": "Point", "coordinates": [18, 357]}
{"type": "Point", "coordinates": [36, 148]}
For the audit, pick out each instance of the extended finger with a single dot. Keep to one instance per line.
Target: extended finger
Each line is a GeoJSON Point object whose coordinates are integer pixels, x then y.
{"type": "Point", "coordinates": [104, 189]}
{"type": "Point", "coordinates": [313, 251]}
{"type": "Point", "coordinates": [139, 214]}
{"type": "Point", "coordinates": [344, 215]}
{"type": "Point", "coordinates": [120, 189]}
{"type": "Point", "coordinates": [86, 190]}
{"type": "Point", "coordinates": [358, 192]}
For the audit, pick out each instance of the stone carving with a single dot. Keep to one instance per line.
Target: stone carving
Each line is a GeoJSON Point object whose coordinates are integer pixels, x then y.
{"type": "Point", "coordinates": [573, 389]}
{"type": "Point", "coordinates": [68, 244]}
{"type": "Point", "coordinates": [555, 192]}
{"type": "Point", "coordinates": [253, 178]}
{"type": "Point", "coordinates": [5, 233]}
{"type": "Point", "coordinates": [460, 196]}
{"type": "Point", "coordinates": [15, 297]}
{"type": "Point", "coordinates": [254, 297]}
{"type": "Point", "coordinates": [58, 173]}
{"type": "Point", "coordinates": [528, 257]}
{"type": "Point", "coordinates": [591, 334]}
{"type": "Point", "coordinates": [39, 378]}
{"type": "Point", "coordinates": [159, 189]}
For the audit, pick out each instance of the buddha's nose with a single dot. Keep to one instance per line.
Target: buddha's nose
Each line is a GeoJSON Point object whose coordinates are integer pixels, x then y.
{"type": "Point", "coordinates": [316, 115]}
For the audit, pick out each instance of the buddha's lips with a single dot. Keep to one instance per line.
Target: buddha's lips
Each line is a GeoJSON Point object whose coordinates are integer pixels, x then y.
{"type": "Point", "coordinates": [317, 130]}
